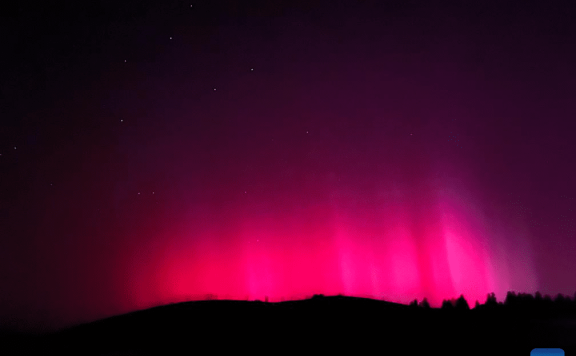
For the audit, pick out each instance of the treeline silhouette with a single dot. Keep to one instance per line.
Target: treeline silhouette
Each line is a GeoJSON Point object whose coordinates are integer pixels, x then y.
{"type": "Point", "coordinates": [527, 304]}
{"type": "Point", "coordinates": [535, 305]}
{"type": "Point", "coordinates": [328, 323]}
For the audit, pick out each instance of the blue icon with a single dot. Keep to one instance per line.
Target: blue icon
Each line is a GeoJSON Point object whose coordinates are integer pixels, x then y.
{"type": "Point", "coordinates": [547, 352]}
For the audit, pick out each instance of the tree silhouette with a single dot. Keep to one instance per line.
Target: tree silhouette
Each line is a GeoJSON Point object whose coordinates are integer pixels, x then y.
{"type": "Point", "coordinates": [560, 298]}
{"type": "Point", "coordinates": [461, 303]}
{"type": "Point", "coordinates": [447, 305]}
{"type": "Point", "coordinates": [491, 301]}
{"type": "Point", "coordinates": [424, 304]}
{"type": "Point", "coordinates": [526, 303]}
{"type": "Point", "coordinates": [538, 297]}
{"type": "Point", "coordinates": [511, 300]}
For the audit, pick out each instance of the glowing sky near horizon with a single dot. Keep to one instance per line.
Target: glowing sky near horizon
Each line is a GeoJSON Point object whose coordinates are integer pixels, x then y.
{"type": "Point", "coordinates": [441, 253]}
{"type": "Point", "coordinates": [267, 149]}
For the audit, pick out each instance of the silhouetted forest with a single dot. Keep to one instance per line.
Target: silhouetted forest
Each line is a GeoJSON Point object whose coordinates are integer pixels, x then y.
{"type": "Point", "coordinates": [527, 304]}
{"type": "Point", "coordinates": [320, 324]}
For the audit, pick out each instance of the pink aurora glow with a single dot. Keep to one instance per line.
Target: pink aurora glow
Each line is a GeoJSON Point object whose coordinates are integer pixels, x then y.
{"type": "Point", "coordinates": [396, 253]}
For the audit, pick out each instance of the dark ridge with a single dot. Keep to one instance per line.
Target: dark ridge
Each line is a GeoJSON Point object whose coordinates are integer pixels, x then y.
{"type": "Point", "coordinates": [319, 324]}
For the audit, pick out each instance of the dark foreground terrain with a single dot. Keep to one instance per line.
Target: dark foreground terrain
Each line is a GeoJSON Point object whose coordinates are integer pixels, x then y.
{"type": "Point", "coordinates": [320, 325]}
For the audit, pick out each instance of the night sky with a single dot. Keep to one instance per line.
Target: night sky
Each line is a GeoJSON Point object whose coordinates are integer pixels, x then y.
{"type": "Point", "coordinates": [157, 152]}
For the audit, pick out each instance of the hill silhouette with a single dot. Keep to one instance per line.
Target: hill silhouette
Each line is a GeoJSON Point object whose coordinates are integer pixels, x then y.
{"type": "Point", "coordinates": [321, 324]}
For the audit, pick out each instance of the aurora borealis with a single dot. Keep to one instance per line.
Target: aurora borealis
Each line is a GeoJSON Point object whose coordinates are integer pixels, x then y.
{"type": "Point", "coordinates": [156, 152]}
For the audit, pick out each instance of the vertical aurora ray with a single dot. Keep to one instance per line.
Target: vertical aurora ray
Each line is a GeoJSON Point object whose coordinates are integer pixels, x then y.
{"type": "Point", "coordinates": [437, 248]}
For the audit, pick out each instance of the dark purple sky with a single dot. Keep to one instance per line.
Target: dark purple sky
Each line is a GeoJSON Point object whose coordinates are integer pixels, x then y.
{"type": "Point", "coordinates": [160, 152]}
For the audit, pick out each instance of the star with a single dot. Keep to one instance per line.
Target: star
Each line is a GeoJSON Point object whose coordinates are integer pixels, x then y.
{"type": "Point", "coordinates": [306, 131]}
{"type": "Point", "coordinates": [121, 120]}
{"type": "Point", "coordinates": [214, 89]}
{"type": "Point", "coordinates": [124, 61]}
{"type": "Point", "coordinates": [170, 37]}
{"type": "Point", "coordinates": [251, 69]}
{"type": "Point", "coordinates": [138, 193]}
{"type": "Point", "coordinates": [14, 147]}
{"type": "Point", "coordinates": [152, 192]}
